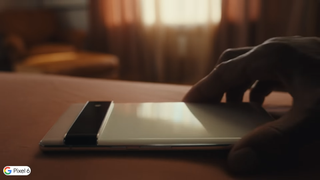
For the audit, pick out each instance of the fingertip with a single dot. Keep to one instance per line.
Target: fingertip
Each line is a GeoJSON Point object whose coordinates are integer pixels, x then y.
{"type": "Point", "coordinates": [236, 94]}
{"type": "Point", "coordinates": [203, 92]}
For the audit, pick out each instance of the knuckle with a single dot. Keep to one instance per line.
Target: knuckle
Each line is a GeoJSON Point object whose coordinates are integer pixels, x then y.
{"type": "Point", "coordinates": [221, 66]}
{"type": "Point", "coordinates": [274, 39]}
{"type": "Point", "coordinates": [277, 48]}
{"type": "Point", "coordinates": [273, 44]}
{"type": "Point", "coordinates": [227, 55]}
{"type": "Point", "coordinates": [273, 56]}
{"type": "Point", "coordinates": [232, 53]}
{"type": "Point", "coordinates": [220, 69]}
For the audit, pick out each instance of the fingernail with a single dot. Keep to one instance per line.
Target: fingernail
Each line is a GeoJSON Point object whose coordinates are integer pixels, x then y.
{"type": "Point", "coordinates": [243, 160]}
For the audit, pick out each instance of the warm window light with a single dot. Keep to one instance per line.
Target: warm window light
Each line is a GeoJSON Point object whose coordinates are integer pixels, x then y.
{"type": "Point", "coordinates": [148, 11]}
{"type": "Point", "coordinates": [181, 12]}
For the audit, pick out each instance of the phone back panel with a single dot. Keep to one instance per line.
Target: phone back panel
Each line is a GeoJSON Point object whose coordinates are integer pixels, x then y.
{"type": "Point", "coordinates": [180, 123]}
{"type": "Point", "coordinates": [166, 124]}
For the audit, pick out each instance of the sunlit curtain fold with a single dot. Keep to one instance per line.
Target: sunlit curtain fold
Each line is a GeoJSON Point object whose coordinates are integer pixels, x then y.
{"type": "Point", "coordinates": [250, 22]}
{"type": "Point", "coordinates": [157, 40]}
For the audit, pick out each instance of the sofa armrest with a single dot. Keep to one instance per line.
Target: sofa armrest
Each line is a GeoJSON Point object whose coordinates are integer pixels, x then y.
{"type": "Point", "coordinates": [15, 47]}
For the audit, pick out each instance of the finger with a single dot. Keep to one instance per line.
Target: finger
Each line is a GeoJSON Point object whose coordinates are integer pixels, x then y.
{"type": "Point", "coordinates": [211, 88]}
{"type": "Point", "coordinates": [275, 143]}
{"type": "Point", "coordinates": [233, 53]}
{"type": "Point", "coordinates": [255, 64]}
{"type": "Point", "coordinates": [206, 90]}
{"type": "Point", "coordinates": [236, 94]}
{"type": "Point", "coordinates": [260, 90]}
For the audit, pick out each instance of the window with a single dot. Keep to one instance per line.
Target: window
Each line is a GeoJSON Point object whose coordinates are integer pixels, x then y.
{"type": "Point", "coordinates": [181, 12]}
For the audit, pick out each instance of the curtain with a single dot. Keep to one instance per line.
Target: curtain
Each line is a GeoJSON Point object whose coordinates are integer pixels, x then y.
{"type": "Point", "coordinates": [250, 22]}
{"type": "Point", "coordinates": [156, 40]}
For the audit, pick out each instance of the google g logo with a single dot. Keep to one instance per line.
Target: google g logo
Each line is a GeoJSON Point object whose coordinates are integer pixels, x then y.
{"type": "Point", "coordinates": [6, 170]}
{"type": "Point", "coordinates": [16, 170]}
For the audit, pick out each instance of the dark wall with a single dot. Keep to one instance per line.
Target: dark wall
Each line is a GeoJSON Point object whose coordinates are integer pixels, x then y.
{"type": "Point", "coordinates": [73, 13]}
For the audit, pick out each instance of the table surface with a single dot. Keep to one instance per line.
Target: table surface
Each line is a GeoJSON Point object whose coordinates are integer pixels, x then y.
{"type": "Point", "coordinates": [31, 104]}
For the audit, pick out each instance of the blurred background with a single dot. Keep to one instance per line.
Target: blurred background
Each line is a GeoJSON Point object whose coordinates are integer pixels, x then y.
{"type": "Point", "coordinates": [169, 41]}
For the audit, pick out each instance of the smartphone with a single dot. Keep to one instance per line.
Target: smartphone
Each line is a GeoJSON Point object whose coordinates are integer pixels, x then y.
{"type": "Point", "coordinates": [153, 126]}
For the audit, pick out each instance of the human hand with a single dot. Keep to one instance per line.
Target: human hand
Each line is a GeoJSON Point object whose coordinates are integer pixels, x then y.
{"type": "Point", "coordinates": [291, 61]}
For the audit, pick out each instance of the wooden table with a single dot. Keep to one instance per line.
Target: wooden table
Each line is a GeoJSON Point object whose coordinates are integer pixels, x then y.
{"type": "Point", "coordinates": [31, 104]}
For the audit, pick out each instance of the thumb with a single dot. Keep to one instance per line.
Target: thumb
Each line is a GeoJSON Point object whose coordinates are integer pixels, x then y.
{"type": "Point", "coordinates": [274, 144]}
